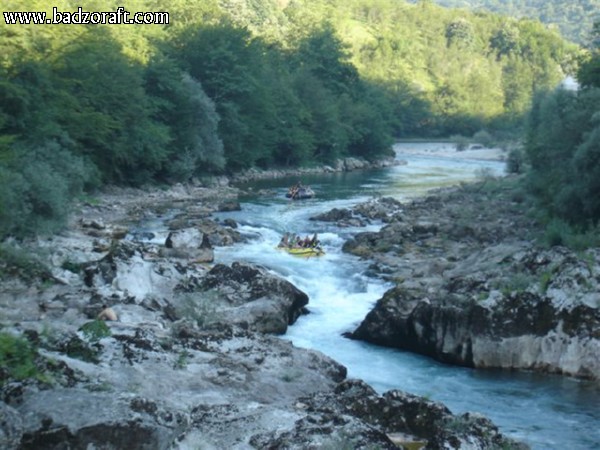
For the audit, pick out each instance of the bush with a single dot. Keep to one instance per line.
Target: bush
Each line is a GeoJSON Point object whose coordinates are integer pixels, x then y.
{"type": "Point", "coordinates": [95, 330]}
{"type": "Point", "coordinates": [17, 359]}
{"type": "Point", "coordinates": [15, 261]}
{"type": "Point", "coordinates": [461, 142]}
{"type": "Point", "coordinates": [515, 161]}
{"type": "Point", "coordinates": [36, 189]}
{"type": "Point", "coordinates": [14, 210]}
{"type": "Point", "coordinates": [484, 138]}
{"type": "Point", "coordinates": [557, 233]}
{"type": "Point", "coordinates": [563, 150]}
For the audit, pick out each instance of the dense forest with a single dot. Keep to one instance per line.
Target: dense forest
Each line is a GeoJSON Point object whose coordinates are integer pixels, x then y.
{"type": "Point", "coordinates": [562, 142]}
{"type": "Point", "coordinates": [232, 84]}
{"type": "Point", "coordinates": [575, 18]}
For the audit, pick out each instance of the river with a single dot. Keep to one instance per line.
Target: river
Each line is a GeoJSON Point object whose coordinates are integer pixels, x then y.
{"type": "Point", "coordinates": [547, 412]}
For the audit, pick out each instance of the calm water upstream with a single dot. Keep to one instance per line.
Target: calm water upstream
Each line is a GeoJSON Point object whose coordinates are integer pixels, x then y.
{"type": "Point", "coordinates": [547, 412]}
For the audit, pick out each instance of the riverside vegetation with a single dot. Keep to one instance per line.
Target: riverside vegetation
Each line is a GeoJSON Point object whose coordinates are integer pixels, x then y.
{"type": "Point", "coordinates": [479, 283]}
{"type": "Point", "coordinates": [229, 85]}
{"type": "Point", "coordinates": [575, 19]}
{"type": "Point", "coordinates": [192, 359]}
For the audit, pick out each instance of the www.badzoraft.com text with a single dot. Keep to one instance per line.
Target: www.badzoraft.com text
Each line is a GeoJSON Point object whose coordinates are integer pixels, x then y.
{"type": "Point", "coordinates": [81, 17]}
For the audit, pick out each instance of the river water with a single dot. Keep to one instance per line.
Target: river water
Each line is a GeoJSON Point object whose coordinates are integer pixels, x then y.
{"type": "Point", "coordinates": [547, 412]}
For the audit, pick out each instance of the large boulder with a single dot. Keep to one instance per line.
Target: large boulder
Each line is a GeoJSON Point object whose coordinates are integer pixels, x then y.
{"type": "Point", "coordinates": [355, 416]}
{"type": "Point", "coordinates": [251, 296]}
{"type": "Point", "coordinates": [11, 427]}
{"type": "Point", "coordinates": [473, 288]}
{"type": "Point", "coordinates": [521, 330]}
{"type": "Point", "coordinates": [342, 218]}
{"type": "Point", "coordinates": [165, 388]}
{"type": "Point", "coordinates": [135, 269]}
{"type": "Point", "coordinates": [77, 418]}
{"type": "Point", "coordinates": [189, 243]}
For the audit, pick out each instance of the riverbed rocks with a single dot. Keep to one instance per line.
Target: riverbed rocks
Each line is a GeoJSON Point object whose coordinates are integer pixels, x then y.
{"type": "Point", "coordinates": [159, 388]}
{"type": "Point", "coordinates": [353, 415]}
{"type": "Point", "coordinates": [191, 358]}
{"type": "Point", "coordinates": [249, 296]}
{"type": "Point", "coordinates": [342, 218]}
{"type": "Point", "coordinates": [384, 209]}
{"type": "Point", "coordinates": [473, 288]}
{"type": "Point", "coordinates": [348, 164]}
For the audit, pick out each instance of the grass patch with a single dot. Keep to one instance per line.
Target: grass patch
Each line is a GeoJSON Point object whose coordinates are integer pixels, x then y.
{"type": "Point", "coordinates": [95, 330]}
{"type": "Point", "coordinates": [17, 359]}
{"type": "Point", "coordinates": [182, 360]}
{"type": "Point", "coordinates": [560, 233]}
{"type": "Point", "coordinates": [518, 283]}
{"type": "Point", "coordinates": [15, 261]}
{"type": "Point", "coordinates": [89, 200]}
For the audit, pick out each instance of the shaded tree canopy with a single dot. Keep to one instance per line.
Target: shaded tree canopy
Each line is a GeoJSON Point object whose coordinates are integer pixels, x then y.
{"type": "Point", "coordinates": [227, 85]}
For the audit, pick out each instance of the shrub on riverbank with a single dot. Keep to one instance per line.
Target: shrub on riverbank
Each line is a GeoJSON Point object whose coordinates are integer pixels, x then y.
{"type": "Point", "coordinates": [563, 148]}
{"type": "Point", "coordinates": [17, 359]}
{"type": "Point", "coordinates": [226, 88]}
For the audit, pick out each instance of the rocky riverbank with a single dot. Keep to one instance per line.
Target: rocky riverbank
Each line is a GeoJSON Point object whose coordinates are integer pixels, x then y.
{"type": "Point", "coordinates": [340, 165]}
{"type": "Point", "coordinates": [474, 287]}
{"type": "Point", "coordinates": [186, 354]}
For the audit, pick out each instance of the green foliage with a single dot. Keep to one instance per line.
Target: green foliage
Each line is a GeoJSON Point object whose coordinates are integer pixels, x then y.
{"type": "Point", "coordinates": [89, 348]}
{"type": "Point", "coordinates": [484, 138]}
{"type": "Point", "coordinates": [563, 147]}
{"type": "Point", "coordinates": [15, 261]}
{"type": "Point", "coordinates": [461, 142]}
{"type": "Point", "coordinates": [588, 74]}
{"type": "Point", "coordinates": [37, 187]}
{"type": "Point", "coordinates": [95, 330]}
{"type": "Point", "coordinates": [515, 283]}
{"type": "Point", "coordinates": [83, 350]}
{"type": "Point", "coordinates": [229, 85]}
{"type": "Point", "coordinates": [515, 161]}
{"type": "Point", "coordinates": [17, 359]}
{"type": "Point", "coordinates": [574, 18]}
{"type": "Point", "coordinates": [195, 147]}
{"type": "Point", "coordinates": [556, 233]}
{"type": "Point", "coordinates": [182, 359]}
{"type": "Point", "coordinates": [460, 32]}
{"type": "Point", "coordinates": [545, 279]}
{"type": "Point", "coordinates": [561, 233]}
{"type": "Point", "coordinates": [113, 121]}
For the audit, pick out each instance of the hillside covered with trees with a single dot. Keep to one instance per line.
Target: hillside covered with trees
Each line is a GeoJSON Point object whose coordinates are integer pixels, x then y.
{"type": "Point", "coordinates": [562, 142]}
{"type": "Point", "coordinates": [575, 19]}
{"type": "Point", "coordinates": [232, 84]}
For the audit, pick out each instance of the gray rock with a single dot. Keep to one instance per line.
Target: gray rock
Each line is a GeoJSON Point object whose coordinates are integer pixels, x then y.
{"type": "Point", "coordinates": [164, 376]}
{"type": "Point", "coordinates": [475, 293]}
{"type": "Point", "coordinates": [518, 331]}
{"type": "Point", "coordinates": [251, 296]}
{"type": "Point", "coordinates": [11, 427]}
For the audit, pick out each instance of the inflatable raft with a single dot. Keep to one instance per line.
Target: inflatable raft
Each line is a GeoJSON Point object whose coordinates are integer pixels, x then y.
{"type": "Point", "coordinates": [306, 252]}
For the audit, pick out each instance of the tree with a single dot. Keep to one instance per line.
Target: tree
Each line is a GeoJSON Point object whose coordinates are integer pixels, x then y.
{"type": "Point", "coordinates": [195, 147]}
{"type": "Point", "coordinates": [562, 147]}
{"type": "Point", "coordinates": [328, 59]}
{"type": "Point", "coordinates": [229, 64]}
{"type": "Point", "coordinates": [589, 69]}
{"type": "Point", "coordinates": [460, 32]}
{"type": "Point", "coordinates": [111, 118]}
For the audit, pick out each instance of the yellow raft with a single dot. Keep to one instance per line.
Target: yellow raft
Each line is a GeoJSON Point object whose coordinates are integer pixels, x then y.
{"type": "Point", "coordinates": [306, 252]}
